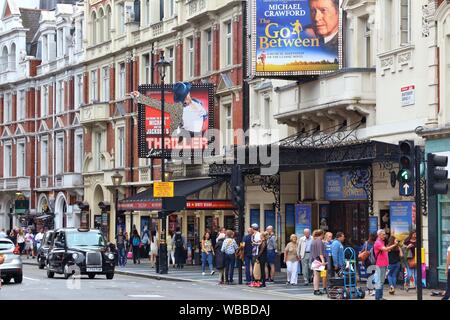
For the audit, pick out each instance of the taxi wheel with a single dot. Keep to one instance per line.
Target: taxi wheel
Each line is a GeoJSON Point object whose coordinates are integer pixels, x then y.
{"type": "Point", "coordinates": [18, 278]}
{"type": "Point", "coordinates": [50, 274]}
{"type": "Point", "coordinates": [91, 275]}
{"type": "Point", "coordinates": [109, 276]}
{"type": "Point", "coordinates": [6, 280]}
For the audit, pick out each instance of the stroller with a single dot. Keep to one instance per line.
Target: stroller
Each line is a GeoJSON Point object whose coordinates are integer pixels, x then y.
{"type": "Point", "coordinates": [344, 285]}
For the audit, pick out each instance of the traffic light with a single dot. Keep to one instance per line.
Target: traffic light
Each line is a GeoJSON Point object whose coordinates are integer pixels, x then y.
{"type": "Point", "coordinates": [237, 187]}
{"type": "Point", "coordinates": [437, 178]}
{"type": "Point", "coordinates": [406, 170]}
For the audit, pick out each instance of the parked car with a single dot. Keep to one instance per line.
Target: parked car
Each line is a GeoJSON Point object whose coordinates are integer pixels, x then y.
{"type": "Point", "coordinates": [11, 268]}
{"type": "Point", "coordinates": [45, 248]}
{"type": "Point", "coordinates": [79, 251]}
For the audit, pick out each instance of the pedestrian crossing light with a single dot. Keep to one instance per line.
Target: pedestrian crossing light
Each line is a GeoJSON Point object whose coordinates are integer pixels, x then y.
{"type": "Point", "coordinates": [406, 170]}
{"type": "Point", "coordinates": [436, 174]}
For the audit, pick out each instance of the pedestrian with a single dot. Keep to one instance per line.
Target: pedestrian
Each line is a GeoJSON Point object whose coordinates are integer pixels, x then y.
{"type": "Point", "coordinates": [12, 236]}
{"type": "Point", "coordinates": [382, 262]}
{"type": "Point", "coordinates": [394, 256]}
{"type": "Point", "coordinates": [127, 242]}
{"type": "Point", "coordinates": [337, 252]}
{"type": "Point", "coordinates": [146, 242]}
{"type": "Point", "coordinates": [410, 255]}
{"type": "Point", "coordinates": [327, 241]}
{"type": "Point", "coordinates": [262, 257]}
{"type": "Point", "coordinates": [256, 241]}
{"type": "Point", "coordinates": [170, 250]}
{"type": "Point", "coordinates": [121, 248]}
{"type": "Point", "coordinates": [38, 239]}
{"type": "Point", "coordinates": [153, 248]}
{"type": "Point", "coordinates": [214, 235]}
{"type": "Point", "coordinates": [304, 251]}
{"type": "Point", "coordinates": [136, 243]}
{"type": "Point", "coordinates": [207, 253]}
{"type": "Point", "coordinates": [229, 247]}
{"type": "Point", "coordinates": [291, 259]}
{"type": "Point", "coordinates": [180, 248]}
{"type": "Point", "coordinates": [248, 256]}
{"type": "Point", "coordinates": [220, 257]}
{"type": "Point", "coordinates": [29, 240]}
{"type": "Point", "coordinates": [447, 268]}
{"type": "Point", "coordinates": [21, 240]}
{"type": "Point", "coordinates": [271, 254]}
{"type": "Point", "coordinates": [2, 233]}
{"type": "Point", "coordinates": [318, 259]}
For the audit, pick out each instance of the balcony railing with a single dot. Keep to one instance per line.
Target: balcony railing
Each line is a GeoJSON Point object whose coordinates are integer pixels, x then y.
{"type": "Point", "coordinates": [94, 113]}
{"type": "Point", "coordinates": [43, 182]}
{"type": "Point", "coordinates": [15, 183]}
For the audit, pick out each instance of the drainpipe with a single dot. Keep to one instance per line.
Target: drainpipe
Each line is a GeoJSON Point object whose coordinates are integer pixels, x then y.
{"type": "Point", "coordinates": [132, 123]}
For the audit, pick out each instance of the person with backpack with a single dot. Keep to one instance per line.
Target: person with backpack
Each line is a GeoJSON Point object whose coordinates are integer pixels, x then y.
{"type": "Point", "coordinates": [146, 242]}
{"type": "Point", "coordinates": [380, 250]}
{"type": "Point", "coordinates": [180, 248]}
{"type": "Point", "coordinates": [135, 244]}
{"type": "Point", "coordinates": [121, 248]}
{"type": "Point", "coordinates": [229, 247]}
{"type": "Point", "coordinates": [220, 257]}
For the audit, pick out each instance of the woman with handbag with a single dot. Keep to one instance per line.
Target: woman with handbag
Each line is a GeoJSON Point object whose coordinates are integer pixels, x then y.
{"type": "Point", "coordinates": [395, 256]}
{"type": "Point", "coordinates": [291, 259]}
{"type": "Point", "coordinates": [318, 259]}
{"type": "Point", "coordinates": [410, 253]}
{"type": "Point", "coordinates": [135, 244]}
{"type": "Point", "coordinates": [207, 253]}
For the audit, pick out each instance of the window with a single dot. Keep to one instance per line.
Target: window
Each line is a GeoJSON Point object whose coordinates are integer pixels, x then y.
{"type": "Point", "coordinates": [59, 155]}
{"type": "Point", "coordinates": [44, 157]}
{"type": "Point", "coordinates": [121, 18]}
{"type": "Point", "coordinates": [190, 57]}
{"type": "Point", "coordinates": [21, 159]}
{"type": "Point", "coordinates": [146, 15]}
{"type": "Point", "coordinates": [7, 161]}
{"type": "Point", "coordinates": [98, 150]}
{"type": "Point", "coordinates": [269, 218]}
{"type": "Point", "coordinates": [368, 47]}
{"type": "Point", "coordinates": [44, 102]}
{"type": "Point", "coordinates": [209, 50]}
{"type": "Point", "coordinates": [121, 80]}
{"type": "Point", "coordinates": [79, 90]}
{"type": "Point", "coordinates": [171, 8]}
{"type": "Point", "coordinates": [79, 153]}
{"type": "Point", "coordinates": [94, 86]}
{"type": "Point", "coordinates": [59, 43]}
{"type": "Point", "coordinates": [108, 23]}
{"type": "Point", "coordinates": [267, 113]}
{"type": "Point", "coordinates": [228, 44]}
{"type": "Point", "coordinates": [60, 96]}
{"type": "Point", "coordinates": [120, 147]}
{"type": "Point", "coordinates": [101, 28]}
{"type": "Point", "coordinates": [254, 216]}
{"type": "Point", "coordinates": [171, 58]}
{"type": "Point", "coordinates": [105, 84]}
{"type": "Point", "coordinates": [443, 233]}
{"type": "Point", "coordinates": [405, 27]}
{"type": "Point", "coordinates": [8, 108]}
{"type": "Point", "coordinates": [21, 106]}
{"type": "Point", "coordinates": [94, 28]}
{"type": "Point", "coordinates": [228, 124]}
{"type": "Point", "coordinates": [388, 23]}
{"type": "Point", "coordinates": [147, 69]}
{"type": "Point", "coordinates": [161, 10]}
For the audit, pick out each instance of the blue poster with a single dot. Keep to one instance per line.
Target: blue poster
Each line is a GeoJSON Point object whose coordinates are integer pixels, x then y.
{"type": "Point", "coordinates": [295, 37]}
{"type": "Point", "coordinates": [338, 186]}
{"type": "Point", "coordinates": [373, 224]}
{"type": "Point", "coordinates": [302, 218]}
{"type": "Point", "coordinates": [401, 213]}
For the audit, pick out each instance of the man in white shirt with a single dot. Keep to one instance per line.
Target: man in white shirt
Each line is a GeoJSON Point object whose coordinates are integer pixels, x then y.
{"type": "Point", "coordinates": [303, 251]}
{"type": "Point", "coordinates": [38, 238]}
{"type": "Point", "coordinates": [194, 113]}
{"type": "Point", "coordinates": [2, 234]}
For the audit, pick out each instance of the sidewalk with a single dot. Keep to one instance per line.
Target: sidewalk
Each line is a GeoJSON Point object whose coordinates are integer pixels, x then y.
{"type": "Point", "coordinates": [192, 273]}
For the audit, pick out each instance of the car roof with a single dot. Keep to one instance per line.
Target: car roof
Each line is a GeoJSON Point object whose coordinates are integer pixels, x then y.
{"type": "Point", "coordinates": [6, 240]}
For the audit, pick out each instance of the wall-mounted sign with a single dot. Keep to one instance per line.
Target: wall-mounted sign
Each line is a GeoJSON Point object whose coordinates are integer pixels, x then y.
{"type": "Point", "coordinates": [163, 189]}
{"type": "Point", "coordinates": [292, 37]}
{"type": "Point", "coordinates": [302, 218]}
{"type": "Point", "coordinates": [408, 95]}
{"type": "Point", "coordinates": [401, 213]}
{"type": "Point", "coordinates": [21, 206]}
{"type": "Point", "coordinates": [338, 186]}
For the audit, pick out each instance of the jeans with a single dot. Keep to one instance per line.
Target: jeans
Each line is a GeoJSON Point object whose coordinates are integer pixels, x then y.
{"type": "Point", "coordinates": [136, 254]}
{"type": "Point", "coordinates": [380, 276]}
{"type": "Point", "coordinates": [229, 267]}
{"type": "Point", "coordinates": [306, 263]}
{"type": "Point", "coordinates": [393, 274]}
{"type": "Point", "coordinates": [122, 256]}
{"type": "Point", "coordinates": [411, 273]}
{"type": "Point", "coordinates": [207, 257]}
{"type": "Point", "coordinates": [248, 266]}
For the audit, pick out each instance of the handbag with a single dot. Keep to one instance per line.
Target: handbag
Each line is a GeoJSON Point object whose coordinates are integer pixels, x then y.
{"type": "Point", "coordinates": [257, 271]}
{"type": "Point", "coordinates": [130, 255]}
{"type": "Point", "coordinates": [364, 254]}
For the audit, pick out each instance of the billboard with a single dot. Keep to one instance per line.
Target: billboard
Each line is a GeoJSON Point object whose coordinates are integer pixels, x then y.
{"type": "Point", "coordinates": [302, 218]}
{"type": "Point", "coordinates": [296, 37]}
{"type": "Point", "coordinates": [402, 216]}
{"type": "Point", "coordinates": [188, 115]}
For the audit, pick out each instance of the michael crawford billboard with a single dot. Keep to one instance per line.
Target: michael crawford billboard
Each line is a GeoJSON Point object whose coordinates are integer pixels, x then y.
{"type": "Point", "coordinates": [188, 116]}
{"type": "Point", "coordinates": [296, 37]}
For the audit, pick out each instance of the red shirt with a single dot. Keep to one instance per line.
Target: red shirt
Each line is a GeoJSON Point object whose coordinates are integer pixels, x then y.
{"type": "Point", "coordinates": [382, 257]}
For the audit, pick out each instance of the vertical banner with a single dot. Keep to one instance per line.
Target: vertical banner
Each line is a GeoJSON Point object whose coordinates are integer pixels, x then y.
{"type": "Point", "coordinates": [401, 213]}
{"type": "Point", "coordinates": [302, 218]}
{"type": "Point", "coordinates": [373, 224]}
{"type": "Point", "coordinates": [296, 37]}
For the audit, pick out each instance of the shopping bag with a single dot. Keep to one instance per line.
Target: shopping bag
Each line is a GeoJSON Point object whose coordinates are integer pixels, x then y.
{"type": "Point", "coordinates": [130, 255]}
{"type": "Point", "coordinates": [323, 273]}
{"type": "Point", "coordinates": [257, 271]}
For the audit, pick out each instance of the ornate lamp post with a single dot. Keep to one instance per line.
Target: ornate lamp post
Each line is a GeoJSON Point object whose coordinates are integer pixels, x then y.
{"type": "Point", "coordinates": [161, 65]}
{"type": "Point", "coordinates": [116, 181]}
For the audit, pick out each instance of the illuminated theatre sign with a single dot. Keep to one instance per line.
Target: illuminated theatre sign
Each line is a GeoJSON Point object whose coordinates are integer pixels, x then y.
{"type": "Point", "coordinates": [296, 37]}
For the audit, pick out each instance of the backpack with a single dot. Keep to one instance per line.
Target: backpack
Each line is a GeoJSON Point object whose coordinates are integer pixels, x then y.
{"type": "Point", "coordinates": [136, 241]}
{"type": "Point", "coordinates": [373, 257]}
{"type": "Point", "coordinates": [178, 241]}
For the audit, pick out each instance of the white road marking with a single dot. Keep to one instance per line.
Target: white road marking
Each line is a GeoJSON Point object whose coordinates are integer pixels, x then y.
{"type": "Point", "coordinates": [145, 296]}
{"type": "Point", "coordinates": [31, 279]}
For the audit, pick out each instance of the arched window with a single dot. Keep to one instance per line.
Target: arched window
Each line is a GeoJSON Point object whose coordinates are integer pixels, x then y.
{"type": "Point", "coordinates": [4, 59]}
{"type": "Point", "coordinates": [108, 23]}
{"type": "Point", "coordinates": [101, 27]}
{"type": "Point", "coordinates": [12, 58]}
{"type": "Point", "coordinates": [94, 27]}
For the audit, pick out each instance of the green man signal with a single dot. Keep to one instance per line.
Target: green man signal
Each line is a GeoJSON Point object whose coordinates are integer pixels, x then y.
{"type": "Point", "coordinates": [406, 171]}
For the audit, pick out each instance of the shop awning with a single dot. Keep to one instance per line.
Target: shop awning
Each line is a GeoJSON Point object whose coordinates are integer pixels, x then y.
{"type": "Point", "coordinates": [144, 201]}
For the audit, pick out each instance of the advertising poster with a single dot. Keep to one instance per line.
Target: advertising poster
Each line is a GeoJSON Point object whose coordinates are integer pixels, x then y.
{"type": "Point", "coordinates": [324, 216]}
{"type": "Point", "coordinates": [401, 213]}
{"type": "Point", "coordinates": [373, 224]}
{"type": "Point", "coordinates": [338, 186]}
{"type": "Point", "coordinates": [296, 37]}
{"type": "Point", "coordinates": [302, 218]}
{"type": "Point", "coordinates": [188, 114]}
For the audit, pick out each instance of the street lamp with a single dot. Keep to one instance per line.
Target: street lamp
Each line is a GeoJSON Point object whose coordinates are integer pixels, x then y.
{"type": "Point", "coordinates": [162, 65]}
{"type": "Point", "coordinates": [116, 181]}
